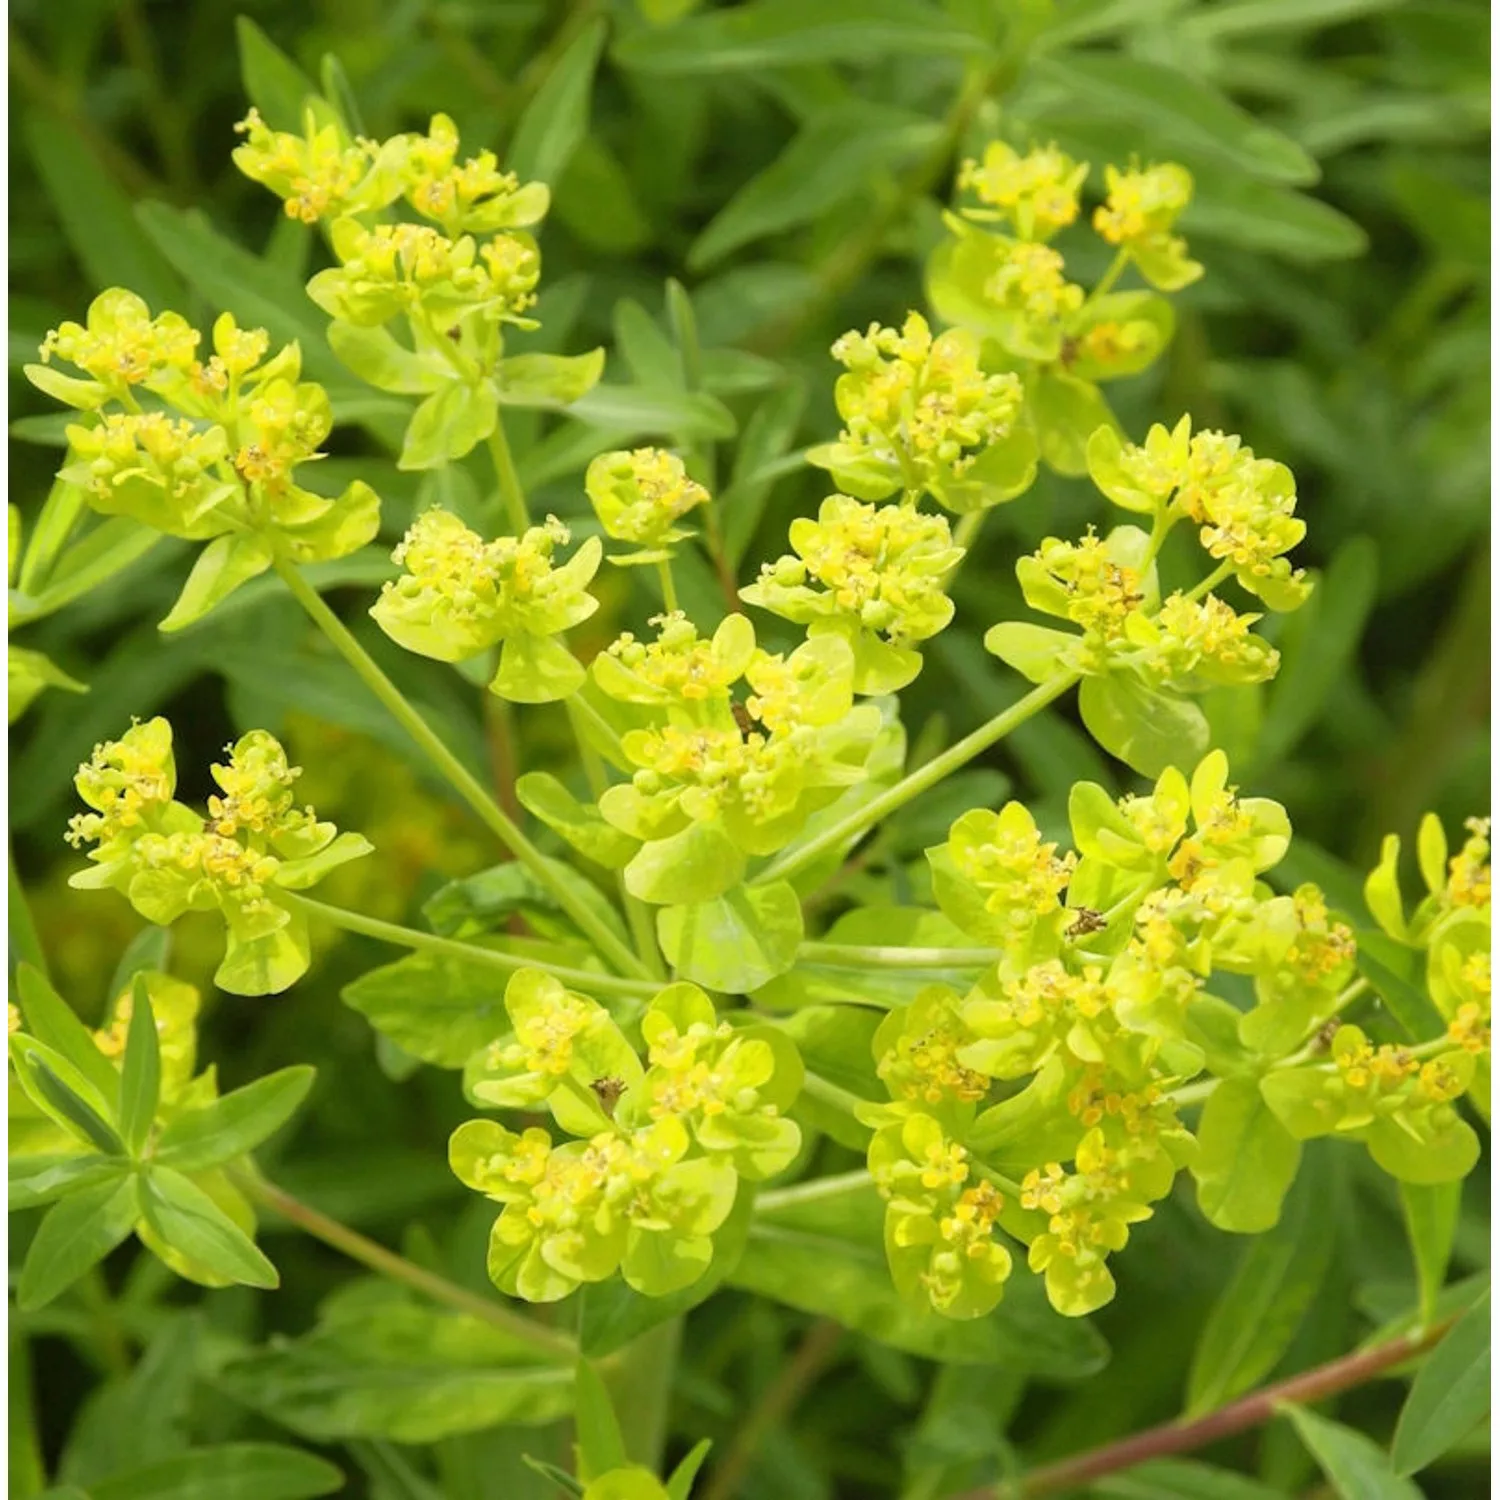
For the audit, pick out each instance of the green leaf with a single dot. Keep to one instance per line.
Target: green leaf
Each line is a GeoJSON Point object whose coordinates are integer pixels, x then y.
{"type": "Point", "coordinates": [548, 382]}
{"type": "Point", "coordinates": [638, 411]}
{"type": "Point", "coordinates": [1431, 1215]}
{"type": "Point", "coordinates": [383, 1363]}
{"type": "Point", "coordinates": [698, 864]}
{"type": "Point", "coordinates": [772, 33]}
{"type": "Point", "coordinates": [75, 1236]}
{"type": "Point", "coordinates": [1147, 729]}
{"type": "Point", "coordinates": [449, 424]}
{"type": "Point", "coordinates": [600, 1445]}
{"type": "Point", "coordinates": [760, 458]}
{"type": "Point", "coordinates": [1450, 1396]}
{"type": "Point", "coordinates": [1193, 115]}
{"type": "Point", "coordinates": [230, 1471]}
{"type": "Point", "coordinates": [140, 1075]}
{"type": "Point", "coordinates": [1262, 1307]}
{"type": "Point", "coordinates": [579, 825]}
{"type": "Point", "coordinates": [1355, 1467]}
{"type": "Point", "coordinates": [827, 1257]}
{"type": "Point", "coordinates": [62, 1093]}
{"type": "Point", "coordinates": [96, 214]}
{"type": "Point", "coordinates": [736, 943]}
{"type": "Point", "coordinates": [1246, 1159]}
{"type": "Point", "coordinates": [50, 1019]}
{"type": "Point", "coordinates": [557, 118]}
{"type": "Point", "coordinates": [38, 1180]}
{"type": "Point", "coordinates": [829, 161]}
{"type": "Point", "coordinates": [1257, 216]}
{"type": "Point", "coordinates": [1393, 970]}
{"type": "Point", "coordinates": [108, 549]}
{"type": "Point", "coordinates": [235, 1124]}
{"type": "Point", "coordinates": [49, 533]}
{"type": "Point", "coordinates": [274, 84]}
{"type": "Point", "coordinates": [435, 1007]}
{"type": "Point", "coordinates": [188, 1221]}
{"type": "Point", "coordinates": [680, 1481]}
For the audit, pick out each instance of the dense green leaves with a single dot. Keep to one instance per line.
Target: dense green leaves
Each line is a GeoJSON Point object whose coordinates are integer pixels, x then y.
{"type": "Point", "coordinates": [1450, 1395]}
{"type": "Point", "coordinates": [1355, 1466]}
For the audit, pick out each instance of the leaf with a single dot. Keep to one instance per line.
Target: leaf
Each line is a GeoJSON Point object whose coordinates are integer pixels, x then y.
{"type": "Point", "coordinates": [579, 825]}
{"type": "Point", "coordinates": [1450, 1396]}
{"type": "Point", "coordinates": [600, 1445]}
{"type": "Point", "coordinates": [274, 84]}
{"type": "Point", "coordinates": [557, 118]}
{"type": "Point", "coordinates": [188, 1221]}
{"type": "Point", "coordinates": [1194, 115]}
{"type": "Point", "coordinates": [75, 1236]}
{"type": "Point", "coordinates": [828, 162]}
{"type": "Point", "coordinates": [772, 33]}
{"type": "Point", "coordinates": [140, 1075]}
{"type": "Point", "coordinates": [736, 943]}
{"type": "Point", "coordinates": [49, 533]}
{"type": "Point", "coordinates": [448, 424]}
{"type": "Point", "coordinates": [383, 1363]}
{"type": "Point", "coordinates": [231, 1471]}
{"type": "Point", "coordinates": [35, 1181]}
{"type": "Point", "coordinates": [1431, 1215]}
{"type": "Point", "coordinates": [680, 1481]}
{"type": "Point", "coordinates": [435, 1007]}
{"type": "Point", "coordinates": [234, 1124]}
{"type": "Point", "coordinates": [108, 549]}
{"type": "Point", "coordinates": [62, 1093]}
{"type": "Point", "coordinates": [1262, 1307]}
{"type": "Point", "coordinates": [1327, 634]}
{"type": "Point", "coordinates": [548, 382]}
{"type": "Point", "coordinates": [1355, 1467]}
{"type": "Point", "coordinates": [1257, 216]}
{"type": "Point", "coordinates": [760, 458]}
{"type": "Point", "coordinates": [50, 1019]}
{"type": "Point", "coordinates": [638, 411]}
{"type": "Point", "coordinates": [96, 214]}
{"type": "Point", "coordinates": [1391, 968]}
{"type": "Point", "coordinates": [827, 1257]}
{"type": "Point", "coordinates": [1246, 1159]}
{"type": "Point", "coordinates": [1147, 729]}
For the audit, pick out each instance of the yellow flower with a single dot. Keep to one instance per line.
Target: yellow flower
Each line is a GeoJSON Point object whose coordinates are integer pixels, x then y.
{"type": "Point", "coordinates": [1037, 193]}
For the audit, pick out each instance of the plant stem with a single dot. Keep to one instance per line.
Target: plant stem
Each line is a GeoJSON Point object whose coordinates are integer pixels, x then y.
{"type": "Point", "coordinates": [858, 955]}
{"type": "Point", "coordinates": [468, 787]}
{"type": "Point", "coordinates": [812, 1191]}
{"type": "Point", "coordinates": [512, 496]}
{"type": "Point", "coordinates": [800, 856]}
{"type": "Point", "coordinates": [1317, 1384]}
{"type": "Point", "coordinates": [27, 1473]}
{"type": "Point", "coordinates": [668, 585]}
{"type": "Point", "coordinates": [812, 1357]}
{"type": "Point", "coordinates": [833, 1096]}
{"type": "Point", "coordinates": [469, 953]}
{"type": "Point", "coordinates": [1116, 269]}
{"type": "Point", "coordinates": [357, 1247]}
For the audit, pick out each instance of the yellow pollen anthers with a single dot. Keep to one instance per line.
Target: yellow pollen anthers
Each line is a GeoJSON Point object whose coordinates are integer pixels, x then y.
{"type": "Point", "coordinates": [257, 786]}
{"type": "Point", "coordinates": [1323, 947]}
{"type": "Point", "coordinates": [124, 781]}
{"type": "Point", "coordinates": [923, 399]}
{"type": "Point", "coordinates": [1102, 593]}
{"type": "Point", "coordinates": [916, 1050]}
{"type": "Point", "coordinates": [1004, 854]}
{"type": "Point", "coordinates": [1469, 869]}
{"type": "Point", "coordinates": [1041, 1188]}
{"type": "Point", "coordinates": [1037, 193]}
{"type": "Point", "coordinates": [441, 188]}
{"type": "Point", "coordinates": [679, 663]}
{"type": "Point", "coordinates": [315, 174]}
{"type": "Point", "coordinates": [1031, 280]}
{"type": "Point", "coordinates": [1207, 636]}
{"type": "Point", "coordinates": [122, 344]}
{"type": "Point", "coordinates": [12, 1018]}
{"type": "Point", "coordinates": [639, 496]}
{"type": "Point", "coordinates": [545, 1037]}
{"type": "Point", "coordinates": [1470, 1026]}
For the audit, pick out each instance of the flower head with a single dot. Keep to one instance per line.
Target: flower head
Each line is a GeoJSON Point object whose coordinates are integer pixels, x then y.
{"type": "Point", "coordinates": [1036, 193]}
{"type": "Point", "coordinates": [475, 195]}
{"type": "Point", "coordinates": [319, 174]}
{"type": "Point", "coordinates": [1139, 213]}
{"type": "Point", "coordinates": [640, 496]}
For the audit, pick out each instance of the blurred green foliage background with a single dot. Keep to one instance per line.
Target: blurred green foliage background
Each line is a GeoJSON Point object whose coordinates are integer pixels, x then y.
{"type": "Point", "coordinates": [788, 168]}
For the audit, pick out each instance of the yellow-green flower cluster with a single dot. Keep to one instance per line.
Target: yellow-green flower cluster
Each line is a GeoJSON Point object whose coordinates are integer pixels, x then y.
{"type": "Point", "coordinates": [460, 595]}
{"type": "Point", "coordinates": [873, 575]}
{"type": "Point", "coordinates": [219, 465]}
{"type": "Point", "coordinates": [940, 1219]}
{"type": "Point", "coordinates": [713, 780]}
{"type": "Point", "coordinates": [661, 1148]}
{"type": "Point", "coordinates": [1036, 194]}
{"type": "Point", "coordinates": [1244, 506]}
{"type": "Point", "coordinates": [167, 859]}
{"type": "Point", "coordinates": [1138, 214]}
{"type": "Point", "coordinates": [922, 417]}
{"type": "Point", "coordinates": [639, 497]}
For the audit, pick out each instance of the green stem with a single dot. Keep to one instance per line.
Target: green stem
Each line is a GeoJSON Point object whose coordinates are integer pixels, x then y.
{"type": "Point", "coordinates": [462, 780]}
{"type": "Point", "coordinates": [27, 1473]}
{"type": "Point", "coordinates": [637, 913]}
{"type": "Point", "coordinates": [1170, 1438]}
{"type": "Point", "coordinates": [854, 823]}
{"type": "Point", "coordinates": [512, 496]}
{"type": "Point", "coordinates": [469, 953]}
{"type": "Point", "coordinates": [833, 1096]}
{"type": "Point", "coordinates": [875, 957]}
{"type": "Point", "coordinates": [967, 530]}
{"type": "Point", "coordinates": [813, 1191]}
{"type": "Point", "coordinates": [25, 944]}
{"type": "Point", "coordinates": [1116, 269]}
{"type": "Point", "coordinates": [668, 585]}
{"type": "Point", "coordinates": [387, 1263]}
{"type": "Point", "coordinates": [1209, 584]}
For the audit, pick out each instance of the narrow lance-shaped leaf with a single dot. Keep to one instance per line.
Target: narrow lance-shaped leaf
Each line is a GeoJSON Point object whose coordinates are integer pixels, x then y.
{"type": "Point", "coordinates": [235, 1124]}
{"type": "Point", "coordinates": [140, 1074]}
{"type": "Point", "coordinates": [1450, 1395]}
{"type": "Point", "coordinates": [74, 1237]}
